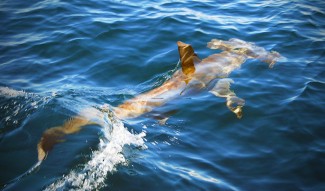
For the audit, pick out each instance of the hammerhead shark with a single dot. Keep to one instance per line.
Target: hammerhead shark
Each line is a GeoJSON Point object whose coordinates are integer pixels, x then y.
{"type": "Point", "coordinates": [194, 74]}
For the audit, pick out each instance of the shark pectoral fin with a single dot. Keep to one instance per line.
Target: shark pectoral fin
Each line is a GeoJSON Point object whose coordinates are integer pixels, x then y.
{"type": "Point", "coordinates": [234, 103]}
{"type": "Point", "coordinates": [222, 88]}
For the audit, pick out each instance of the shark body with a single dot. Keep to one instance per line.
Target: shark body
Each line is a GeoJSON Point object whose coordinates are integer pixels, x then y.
{"type": "Point", "coordinates": [194, 73]}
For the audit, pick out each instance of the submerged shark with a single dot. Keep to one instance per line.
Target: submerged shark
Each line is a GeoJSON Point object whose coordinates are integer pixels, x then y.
{"type": "Point", "coordinates": [194, 74]}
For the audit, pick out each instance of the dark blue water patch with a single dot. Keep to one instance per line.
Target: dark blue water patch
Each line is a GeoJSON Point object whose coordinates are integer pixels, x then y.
{"type": "Point", "coordinates": [316, 91]}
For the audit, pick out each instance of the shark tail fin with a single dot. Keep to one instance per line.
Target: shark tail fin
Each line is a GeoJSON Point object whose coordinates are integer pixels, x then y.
{"type": "Point", "coordinates": [55, 135]}
{"type": "Point", "coordinates": [188, 59]}
{"type": "Point", "coordinates": [248, 49]}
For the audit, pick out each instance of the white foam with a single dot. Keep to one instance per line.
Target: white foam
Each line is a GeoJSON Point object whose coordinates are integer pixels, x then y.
{"type": "Point", "coordinates": [8, 92]}
{"type": "Point", "coordinates": [103, 161]}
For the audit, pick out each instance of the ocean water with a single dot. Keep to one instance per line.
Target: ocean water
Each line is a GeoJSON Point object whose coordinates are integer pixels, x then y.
{"type": "Point", "coordinates": [58, 57]}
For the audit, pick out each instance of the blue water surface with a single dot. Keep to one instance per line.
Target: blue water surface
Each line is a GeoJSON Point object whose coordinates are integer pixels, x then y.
{"type": "Point", "coordinates": [58, 56]}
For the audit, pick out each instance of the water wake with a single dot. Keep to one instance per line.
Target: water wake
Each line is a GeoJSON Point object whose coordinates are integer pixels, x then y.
{"type": "Point", "coordinates": [104, 160]}
{"type": "Point", "coordinates": [92, 175]}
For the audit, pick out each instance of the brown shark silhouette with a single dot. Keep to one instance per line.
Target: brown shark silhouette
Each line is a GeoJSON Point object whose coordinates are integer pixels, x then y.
{"type": "Point", "coordinates": [194, 74]}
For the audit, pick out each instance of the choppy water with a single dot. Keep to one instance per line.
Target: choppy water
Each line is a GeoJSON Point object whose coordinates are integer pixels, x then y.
{"type": "Point", "coordinates": [57, 57]}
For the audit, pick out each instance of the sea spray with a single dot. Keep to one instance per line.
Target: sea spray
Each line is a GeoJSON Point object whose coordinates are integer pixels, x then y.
{"type": "Point", "coordinates": [103, 161]}
{"type": "Point", "coordinates": [8, 92]}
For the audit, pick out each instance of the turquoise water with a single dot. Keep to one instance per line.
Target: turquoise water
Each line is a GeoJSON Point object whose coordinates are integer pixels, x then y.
{"type": "Point", "coordinates": [57, 57]}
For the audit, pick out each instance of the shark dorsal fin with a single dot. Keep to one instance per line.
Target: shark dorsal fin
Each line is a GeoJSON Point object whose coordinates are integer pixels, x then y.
{"type": "Point", "coordinates": [188, 59]}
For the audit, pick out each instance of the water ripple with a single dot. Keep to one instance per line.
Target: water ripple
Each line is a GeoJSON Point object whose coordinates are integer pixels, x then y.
{"type": "Point", "coordinates": [59, 56]}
